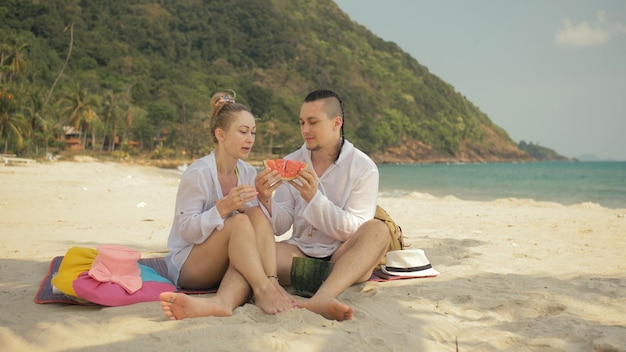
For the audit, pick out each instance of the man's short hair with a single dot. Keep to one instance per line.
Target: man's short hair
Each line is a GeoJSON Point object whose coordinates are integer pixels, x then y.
{"type": "Point", "coordinates": [332, 107]}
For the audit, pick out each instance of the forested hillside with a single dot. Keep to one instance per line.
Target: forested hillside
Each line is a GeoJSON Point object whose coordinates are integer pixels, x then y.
{"type": "Point", "coordinates": [141, 72]}
{"type": "Point", "coordinates": [541, 153]}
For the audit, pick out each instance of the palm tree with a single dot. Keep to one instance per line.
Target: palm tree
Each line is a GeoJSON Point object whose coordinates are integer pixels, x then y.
{"type": "Point", "coordinates": [79, 106]}
{"type": "Point", "coordinates": [90, 121]}
{"type": "Point", "coordinates": [12, 59]}
{"type": "Point", "coordinates": [112, 115]}
{"type": "Point", "coordinates": [39, 131]}
{"type": "Point", "coordinates": [12, 124]}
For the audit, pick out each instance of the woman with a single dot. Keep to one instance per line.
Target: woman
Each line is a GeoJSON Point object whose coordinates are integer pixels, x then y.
{"type": "Point", "coordinates": [219, 235]}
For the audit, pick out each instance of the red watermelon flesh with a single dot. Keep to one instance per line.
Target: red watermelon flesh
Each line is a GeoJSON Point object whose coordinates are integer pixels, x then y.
{"type": "Point", "coordinates": [288, 169]}
{"type": "Point", "coordinates": [270, 164]}
{"type": "Point", "coordinates": [280, 165]}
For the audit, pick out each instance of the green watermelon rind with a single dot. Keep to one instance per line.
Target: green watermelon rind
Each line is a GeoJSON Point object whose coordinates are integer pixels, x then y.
{"type": "Point", "coordinates": [308, 274]}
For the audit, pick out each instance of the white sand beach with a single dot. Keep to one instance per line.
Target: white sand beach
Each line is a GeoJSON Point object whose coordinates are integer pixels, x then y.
{"type": "Point", "coordinates": [516, 274]}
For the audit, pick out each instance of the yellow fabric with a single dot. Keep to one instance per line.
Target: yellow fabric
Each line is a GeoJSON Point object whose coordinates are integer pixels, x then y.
{"type": "Point", "coordinates": [77, 260]}
{"type": "Point", "coordinates": [395, 232]}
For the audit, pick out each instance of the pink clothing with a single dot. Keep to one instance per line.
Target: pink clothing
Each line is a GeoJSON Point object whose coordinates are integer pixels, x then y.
{"type": "Point", "coordinates": [119, 265]}
{"type": "Point", "coordinates": [112, 295]}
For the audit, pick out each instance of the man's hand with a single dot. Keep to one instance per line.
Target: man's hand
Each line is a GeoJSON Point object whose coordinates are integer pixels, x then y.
{"type": "Point", "coordinates": [306, 183]}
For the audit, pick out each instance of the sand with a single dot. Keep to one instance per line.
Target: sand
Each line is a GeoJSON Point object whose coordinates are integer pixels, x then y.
{"type": "Point", "coordinates": [516, 274]}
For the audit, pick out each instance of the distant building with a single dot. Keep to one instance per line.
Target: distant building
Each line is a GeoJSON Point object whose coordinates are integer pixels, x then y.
{"type": "Point", "coordinates": [72, 138]}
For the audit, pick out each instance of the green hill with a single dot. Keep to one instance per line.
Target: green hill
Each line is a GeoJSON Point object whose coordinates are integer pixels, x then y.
{"type": "Point", "coordinates": [541, 153]}
{"type": "Point", "coordinates": [143, 71]}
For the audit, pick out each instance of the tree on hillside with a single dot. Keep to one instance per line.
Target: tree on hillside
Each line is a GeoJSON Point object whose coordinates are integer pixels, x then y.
{"type": "Point", "coordinates": [39, 132]}
{"type": "Point", "coordinates": [79, 107]}
{"type": "Point", "coordinates": [540, 153]}
{"type": "Point", "coordinates": [12, 59]}
{"type": "Point", "coordinates": [170, 56]}
{"type": "Point", "coordinates": [112, 116]}
{"type": "Point", "coordinates": [12, 122]}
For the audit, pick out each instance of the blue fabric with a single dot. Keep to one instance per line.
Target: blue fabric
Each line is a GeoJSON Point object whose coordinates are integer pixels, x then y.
{"type": "Point", "coordinates": [149, 274]}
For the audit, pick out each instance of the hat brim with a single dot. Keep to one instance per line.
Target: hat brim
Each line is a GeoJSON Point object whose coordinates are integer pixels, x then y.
{"type": "Point", "coordinates": [421, 273]}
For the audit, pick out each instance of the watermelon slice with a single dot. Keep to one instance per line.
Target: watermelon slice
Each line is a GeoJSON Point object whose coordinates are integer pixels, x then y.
{"type": "Point", "coordinates": [288, 169]}
{"type": "Point", "coordinates": [270, 164]}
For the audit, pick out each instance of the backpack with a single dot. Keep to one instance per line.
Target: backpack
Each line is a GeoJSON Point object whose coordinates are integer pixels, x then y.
{"type": "Point", "coordinates": [395, 232]}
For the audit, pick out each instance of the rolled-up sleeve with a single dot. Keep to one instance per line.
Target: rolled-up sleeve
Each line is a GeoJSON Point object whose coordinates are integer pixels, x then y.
{"type": "Point", "coordinates": [195, 218]}
{"type": "Point", "coordinates": [283, 210]}
{"type": "Point", "coordinates": [341, 222]}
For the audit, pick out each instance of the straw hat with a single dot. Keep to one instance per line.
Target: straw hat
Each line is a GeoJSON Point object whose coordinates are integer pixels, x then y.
{"type": "Point", "coordinates": [408, 262]}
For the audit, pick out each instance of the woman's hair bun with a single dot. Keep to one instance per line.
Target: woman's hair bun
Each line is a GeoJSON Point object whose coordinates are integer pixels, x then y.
{"type": "Point", "coordinates": [223, 97]}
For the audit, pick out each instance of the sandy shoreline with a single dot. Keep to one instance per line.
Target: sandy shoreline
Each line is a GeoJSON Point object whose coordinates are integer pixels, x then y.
{"type": "Point", "coordinates": [516, 274]}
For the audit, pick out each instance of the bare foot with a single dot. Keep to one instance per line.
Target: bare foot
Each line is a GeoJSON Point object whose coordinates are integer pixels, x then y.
{"type": "Point", "coordinates": [329, 308]}
{"type": "Point", "coordinates": [177, 306]}
{"type": "Point", "coordinates": [273, 300]}
{"type": "Point", "coordinates": [294, 302]}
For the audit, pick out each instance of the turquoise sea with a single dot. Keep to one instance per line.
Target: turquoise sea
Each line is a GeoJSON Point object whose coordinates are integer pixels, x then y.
{"type": "Point", "coordinates": [567, 183]}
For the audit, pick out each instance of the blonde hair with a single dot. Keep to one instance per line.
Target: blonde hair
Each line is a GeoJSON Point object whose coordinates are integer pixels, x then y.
{"type": "Point", "coordinates": [223, 107]}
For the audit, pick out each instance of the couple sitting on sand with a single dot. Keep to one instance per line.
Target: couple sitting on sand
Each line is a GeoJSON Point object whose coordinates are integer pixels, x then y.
{"type": "Point", "coordinates": [227, 215]}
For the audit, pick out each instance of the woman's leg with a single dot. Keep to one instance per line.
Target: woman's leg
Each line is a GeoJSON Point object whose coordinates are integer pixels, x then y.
{"type": "Point", "coordinates": [235, 244]}
{"type": "Point", "coordinates": [266, 243]}
{"type": "Point", "coordinates": [246, 257]}
{"type": "Point", "coordinates": [207, 266]}
{"type": "Point", "coordinates": [233, 292]}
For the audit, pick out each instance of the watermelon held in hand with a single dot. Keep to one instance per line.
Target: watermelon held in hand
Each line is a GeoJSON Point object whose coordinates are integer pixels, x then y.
{"type": "Point", "coordinates": [308, 274]}
{"type": "Point", "coordinates": [288, 169]}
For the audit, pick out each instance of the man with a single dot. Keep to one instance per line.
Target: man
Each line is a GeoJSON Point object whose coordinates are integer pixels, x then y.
{"type": "Point", "coordinates": [330, 205]}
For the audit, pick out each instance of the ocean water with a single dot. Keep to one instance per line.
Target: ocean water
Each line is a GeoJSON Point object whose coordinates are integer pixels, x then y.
{"type": "Point", "coordinates": [567, 183]}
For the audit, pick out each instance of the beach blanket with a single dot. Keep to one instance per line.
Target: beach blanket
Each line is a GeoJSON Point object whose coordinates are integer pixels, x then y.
{"type": "Point", "coordinates": [46, 294]}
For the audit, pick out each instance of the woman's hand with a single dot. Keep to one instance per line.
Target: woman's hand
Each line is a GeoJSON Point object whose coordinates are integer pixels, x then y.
{"type": "Point", "coordinates": [266, 183]}
{"type": "Point", "coordinates": [236, 200]}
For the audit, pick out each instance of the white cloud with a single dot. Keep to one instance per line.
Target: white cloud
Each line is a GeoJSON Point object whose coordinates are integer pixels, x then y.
{"type": "Point", "coordinates": [584, 34]}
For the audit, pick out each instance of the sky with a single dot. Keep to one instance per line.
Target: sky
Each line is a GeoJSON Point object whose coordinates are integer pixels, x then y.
{"type": "Point", "coordinates": [549, 72]}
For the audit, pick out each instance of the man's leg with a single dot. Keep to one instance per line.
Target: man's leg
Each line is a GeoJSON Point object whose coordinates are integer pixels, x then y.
{"type": "Point", "coordinates": [354, 262]}
{"type": "Point", "coordinates": [284, 257]}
